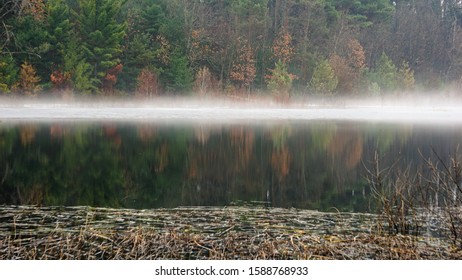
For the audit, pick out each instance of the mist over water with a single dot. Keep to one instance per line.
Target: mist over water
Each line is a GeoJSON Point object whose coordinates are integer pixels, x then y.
{"type": "Point", "coordinates": [308, 153]}
{"type": "Point", "coordinates": [420, 110]}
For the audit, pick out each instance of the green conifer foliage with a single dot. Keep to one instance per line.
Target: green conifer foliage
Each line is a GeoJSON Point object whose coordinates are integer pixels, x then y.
{"type": "Point", "coordinates": [385, 74]}
{"type": "Point", "coordinates": [324, 80]}
{"type": "Point", "coordinates": [60, 30]}
{"type": "Point", "coordinates": [8, 73]}
{"type": "Point", "coordinates": [178, 76]}
{"type": "Point", "coordinates": [279, 82]}
{"type": "Point", "coordinates": [100, 35]}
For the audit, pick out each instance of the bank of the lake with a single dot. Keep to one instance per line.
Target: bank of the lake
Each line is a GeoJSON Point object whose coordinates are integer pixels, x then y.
{"type": "Point", "coordinates": [29, 232]}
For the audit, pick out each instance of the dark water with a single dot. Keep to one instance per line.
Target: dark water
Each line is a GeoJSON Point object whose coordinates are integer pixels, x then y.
{"type": "Point", "coordinates": [311, 164]}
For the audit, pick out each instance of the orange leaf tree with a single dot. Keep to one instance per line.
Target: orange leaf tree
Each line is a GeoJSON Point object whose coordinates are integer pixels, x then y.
{"type": "Point", "coordinates": [244, 69]}
{"type": "Point", "coordinates": [28, 79]}
{"type": "Point", "coordinates": [147, 83]}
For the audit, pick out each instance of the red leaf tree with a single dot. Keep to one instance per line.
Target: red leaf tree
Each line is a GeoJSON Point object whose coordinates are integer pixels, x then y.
{"type": "Point", "coordinates": [110, 79]}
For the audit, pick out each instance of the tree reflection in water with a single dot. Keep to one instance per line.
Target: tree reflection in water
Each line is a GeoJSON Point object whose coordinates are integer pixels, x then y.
{"type": "Point", "coordinates": [314, 165]}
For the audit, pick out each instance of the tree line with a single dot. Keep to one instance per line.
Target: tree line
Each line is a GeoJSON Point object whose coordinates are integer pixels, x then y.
{"type": "Point", "coordinates": [279, 47]}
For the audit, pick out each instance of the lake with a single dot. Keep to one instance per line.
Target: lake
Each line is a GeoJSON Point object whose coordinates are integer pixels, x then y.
{"type": "Point", "coordinates": [142, 157]}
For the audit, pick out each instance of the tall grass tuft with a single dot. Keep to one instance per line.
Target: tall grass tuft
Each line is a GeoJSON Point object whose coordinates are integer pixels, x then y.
{"type": "Point", "coordinates": [428, 198]}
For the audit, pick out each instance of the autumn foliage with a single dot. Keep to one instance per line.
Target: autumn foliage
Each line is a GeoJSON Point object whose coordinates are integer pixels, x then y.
{"type": "Point", "coordinates": [110, 79]}
{"type": "Point", "coordinates": [147, 83]}
{"type": "Point", "coordinates": [60, 80]}
{"type": "Point", "coordinates": [282, 47]}
{"type": "Point", "coordinates": [224, 46]}
{"type": "Point", "coordinates": [36, 8]}
{"type": "Point", "coordinates": [28, 79]}
{"type": "Point", "coordinates": [279, 81]}
{"type": "Point", "coordinates": [204, 81]}
{"type": "Point", "coordinates": [244, 70]}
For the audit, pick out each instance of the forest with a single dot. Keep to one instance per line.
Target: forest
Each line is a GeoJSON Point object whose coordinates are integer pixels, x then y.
{"type": "Point", "coordinates": [279, 48]}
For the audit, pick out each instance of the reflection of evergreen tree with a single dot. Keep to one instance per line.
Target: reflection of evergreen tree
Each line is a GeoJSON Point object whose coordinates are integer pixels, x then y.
{"type": "Point", "coordinates": [149, 166]}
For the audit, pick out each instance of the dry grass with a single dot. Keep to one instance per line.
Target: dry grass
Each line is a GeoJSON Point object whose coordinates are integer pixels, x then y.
{"type": "Point", "coordinates": [204, 233]}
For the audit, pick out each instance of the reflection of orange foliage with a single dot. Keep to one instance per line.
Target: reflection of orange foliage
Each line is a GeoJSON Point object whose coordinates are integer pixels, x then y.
{"type": "Point", "coordinates": [57, 131]}
{"type": "Point", "coordinates": [192, 169]}
{"type": "Point", "coordinates": [32, 195]}
{"type": "Point", "coordinates": [146, 132]}
{"type": "Point", "coordinates": [111, 132]}
{"type": "Point", "coordinates": [280, 161]}
{"type": "Point", "coordinates": [27, 134]}
{"type": "Point", "coordinates": [202, 134]}
{"type": "Point", "coordinates": [348, 148]}
{"type": "Point", "coordinates": [242, 142]}
{"type": "Point", "coordinates": [161, 158]}
{"type": "Point", "coordinates": [355, 153]}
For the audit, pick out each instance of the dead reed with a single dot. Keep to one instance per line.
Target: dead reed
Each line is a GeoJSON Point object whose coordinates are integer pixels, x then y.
{"type": "Point", "coordinates": [429, 199]}
{"type": "Point", "coordinates": [204, 233]}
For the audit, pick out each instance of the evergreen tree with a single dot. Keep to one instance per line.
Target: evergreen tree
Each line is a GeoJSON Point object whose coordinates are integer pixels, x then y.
{"type": "Point", "coordinates": [30, 43]}
{"type": "Point", "coordinates": [137, 55]}
{"type": "Point", "coordinates": [59, 31]}
{"type": "Point", "coordinates": [152, 19]}
{"type": "Point", "coordinates": [324, 80]}
{"type": "Point", "coordinates": [81, 74]}
{"type": "Point", "coordinates": [100, 35]}
{"type": "Point", "coordinates": [178, 75]}
{"type": "Point", "coordinates": [279, 82]}
{"type": "Point", "coordinates": [363, 13]}
{"type": "Point", "coordinates": [385, 74]}
{"type": "Point", "coordinates": [8, 73]}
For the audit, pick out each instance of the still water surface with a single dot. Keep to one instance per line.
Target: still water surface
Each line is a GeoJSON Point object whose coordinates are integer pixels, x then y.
{"type": "Point", "coordinates": [312, 164]}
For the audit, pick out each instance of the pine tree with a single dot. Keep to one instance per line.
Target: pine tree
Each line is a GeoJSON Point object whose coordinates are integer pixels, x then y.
{"type": "Point", "coordinates": [324, 80]}
{"type": "Point", "coordinates": [82, 78]}
{"type": "Point", "coordinates": [385, 74]}
{"type": "Point", "coordinates": [137, 55]}
{"type": "Point", "coordinates": [59, 31]}
{"type": "Point", "coordinates": [178, 75]}
{"type": "Point", "coordinates": [279, 82]}
{"type": "Point", "coordinates": [79, 70]}
{"type": "Point", "coordinates": [8, 73]}
{"type": "Point", "coordinates": [101, 35]}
